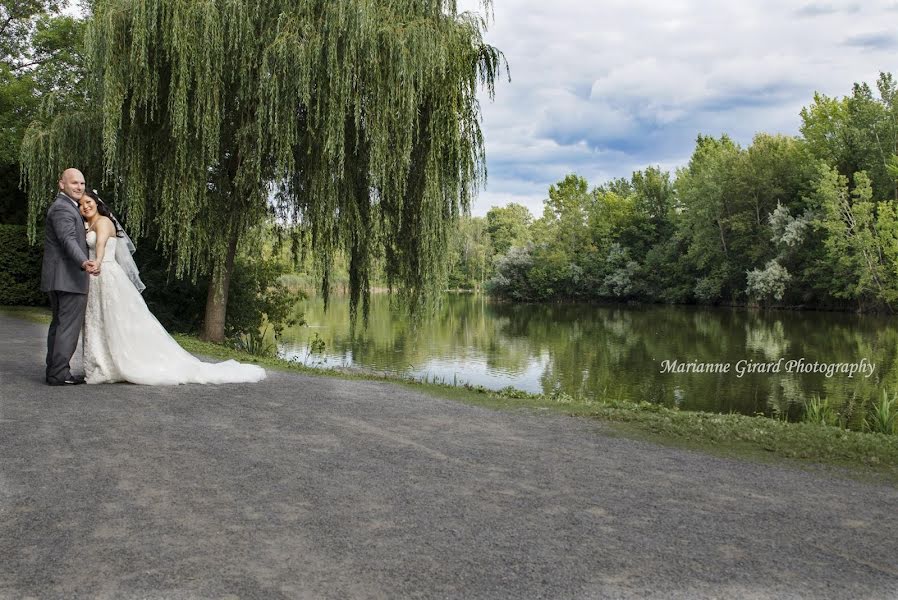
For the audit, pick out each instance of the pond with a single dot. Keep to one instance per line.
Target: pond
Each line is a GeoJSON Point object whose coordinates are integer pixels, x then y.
{"type": "Point", "coordinates": [696, 358]}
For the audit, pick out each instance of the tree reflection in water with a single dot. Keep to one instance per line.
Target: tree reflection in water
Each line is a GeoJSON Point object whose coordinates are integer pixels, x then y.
{"type": "Point", "coordinates": [617, 351]}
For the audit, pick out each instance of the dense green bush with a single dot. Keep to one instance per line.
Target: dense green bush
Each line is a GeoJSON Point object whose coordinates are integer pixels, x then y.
{"type": "Point", "coordinates": [179, 304]}
{"type": "Point", "coordinates": [20, 268]}
{"type": "Point", "coordinates": [255, 295]}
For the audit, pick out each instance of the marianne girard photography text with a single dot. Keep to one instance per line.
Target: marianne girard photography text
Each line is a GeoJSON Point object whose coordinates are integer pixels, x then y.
{"type": "Point", "coordinates": [798, 365]}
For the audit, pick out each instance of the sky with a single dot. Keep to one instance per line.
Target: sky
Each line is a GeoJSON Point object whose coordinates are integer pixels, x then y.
{"type": "Point", "coordinates": [602, 88]}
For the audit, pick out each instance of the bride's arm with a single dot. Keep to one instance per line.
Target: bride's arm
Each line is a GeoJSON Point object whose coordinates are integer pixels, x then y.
{"type": "Point", "coordinates": [105, 230]}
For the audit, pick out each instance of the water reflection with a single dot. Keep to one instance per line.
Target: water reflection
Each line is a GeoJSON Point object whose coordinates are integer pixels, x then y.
{"type": "Point", "coordinates": [616, 352]}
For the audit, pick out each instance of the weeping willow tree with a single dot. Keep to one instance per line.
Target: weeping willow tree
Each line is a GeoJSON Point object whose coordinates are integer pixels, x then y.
{"type": "Point", "coordinates": [355, 122]}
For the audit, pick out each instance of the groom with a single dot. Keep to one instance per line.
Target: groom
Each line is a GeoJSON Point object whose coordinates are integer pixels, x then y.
{"type": "Point", "coordinates": [64, 276]}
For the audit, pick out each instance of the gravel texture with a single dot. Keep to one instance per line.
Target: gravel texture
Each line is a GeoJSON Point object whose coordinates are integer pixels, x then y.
{"type": "Point", "coordinates": [315, 487]}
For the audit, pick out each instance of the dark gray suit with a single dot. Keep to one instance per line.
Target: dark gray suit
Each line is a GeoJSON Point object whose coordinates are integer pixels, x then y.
{"type": "Point", "coordinates": [65, 249]}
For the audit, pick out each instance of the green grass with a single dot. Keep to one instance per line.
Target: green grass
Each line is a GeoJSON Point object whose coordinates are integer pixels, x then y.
{"type": "Point", "coordinates": [866, 455]}
{"type": "Point", "coordinates": [35, 314]}
{"type": "Point", "coordinates": [819, 412]}
{"type": "Point", "coordinates": [863, 454]}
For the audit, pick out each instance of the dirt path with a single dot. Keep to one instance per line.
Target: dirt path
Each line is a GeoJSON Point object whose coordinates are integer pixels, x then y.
{"type": "Point", "coordinates": [305, 487]}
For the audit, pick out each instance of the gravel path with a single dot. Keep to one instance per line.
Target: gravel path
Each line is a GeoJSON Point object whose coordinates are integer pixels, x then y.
{"type": "Point", "coordinates": [312, 487]}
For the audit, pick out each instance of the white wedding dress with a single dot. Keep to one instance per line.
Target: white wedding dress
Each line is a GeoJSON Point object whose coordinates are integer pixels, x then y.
{"type": "Point", "coordinates": [123, 341]}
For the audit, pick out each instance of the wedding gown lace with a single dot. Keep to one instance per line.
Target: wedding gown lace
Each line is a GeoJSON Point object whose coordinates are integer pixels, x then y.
{"type": "Point", "coordinates": [123, 341]}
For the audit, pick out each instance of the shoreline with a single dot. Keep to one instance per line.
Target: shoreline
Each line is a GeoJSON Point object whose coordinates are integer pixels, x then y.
{"type": "Point", "coordinates": [314, 294]}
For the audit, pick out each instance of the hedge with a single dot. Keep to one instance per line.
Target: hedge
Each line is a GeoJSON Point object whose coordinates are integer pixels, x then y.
{"type": "Point", "coordinates": [20, 268]}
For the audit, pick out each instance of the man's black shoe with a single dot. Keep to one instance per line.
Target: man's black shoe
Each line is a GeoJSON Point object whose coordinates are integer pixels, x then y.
{"type": "Point", "coordinates": [71, 381]}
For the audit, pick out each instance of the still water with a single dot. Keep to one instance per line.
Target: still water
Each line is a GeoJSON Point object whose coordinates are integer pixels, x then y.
{"type": "Point", "coordinates": [619, 352]}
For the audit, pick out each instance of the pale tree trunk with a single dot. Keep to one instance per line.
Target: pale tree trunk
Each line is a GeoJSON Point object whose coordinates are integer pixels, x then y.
{"type": "Point", "coordinates": [217, 298]}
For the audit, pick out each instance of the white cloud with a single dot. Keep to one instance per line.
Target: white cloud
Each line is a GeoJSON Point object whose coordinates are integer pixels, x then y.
{"type": "Point", "coordinates": [655, 80]}
{"type": "Point", "coordinates": [533, 202]}
{"type": "Point", "coordinates": [608, 87]}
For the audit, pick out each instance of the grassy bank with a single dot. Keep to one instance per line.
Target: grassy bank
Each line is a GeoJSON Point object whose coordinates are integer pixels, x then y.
{"type": "Point", "coordinates": [758, 438]}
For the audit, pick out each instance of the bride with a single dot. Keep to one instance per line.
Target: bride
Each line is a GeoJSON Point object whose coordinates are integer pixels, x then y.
{"type": "Point", "coordinates": [123, 341]}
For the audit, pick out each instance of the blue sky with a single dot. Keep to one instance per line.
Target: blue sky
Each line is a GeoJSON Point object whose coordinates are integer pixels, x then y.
{"type": "Point", "coordinates": [606, 87]}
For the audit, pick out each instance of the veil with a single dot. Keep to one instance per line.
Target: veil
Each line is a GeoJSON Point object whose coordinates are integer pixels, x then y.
{"type": "Point", "coordinates": [123, 251]}
{"type": "Point", "coordinates": [123, 257]}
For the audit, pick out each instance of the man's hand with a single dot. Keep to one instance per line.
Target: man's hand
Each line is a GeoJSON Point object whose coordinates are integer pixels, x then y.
{"type": "Point", "coordinates": [91, 267]}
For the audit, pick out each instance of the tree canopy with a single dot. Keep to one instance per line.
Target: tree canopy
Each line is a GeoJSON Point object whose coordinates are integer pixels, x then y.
{"type": "Point", "coordinates": [355, 122]}
{"type": "Point", "coordinates": [40, 57]}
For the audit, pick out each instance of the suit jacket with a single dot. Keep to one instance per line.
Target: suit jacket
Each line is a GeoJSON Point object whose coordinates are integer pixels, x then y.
{"type": "Point", "coordinates": [65, 249]}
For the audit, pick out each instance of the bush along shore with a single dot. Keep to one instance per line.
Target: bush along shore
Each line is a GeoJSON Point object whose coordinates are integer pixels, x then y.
{"type": "Point", "coordinates": [817, 441]}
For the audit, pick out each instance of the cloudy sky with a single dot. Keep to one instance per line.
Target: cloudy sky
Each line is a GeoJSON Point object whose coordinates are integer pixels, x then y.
{"type": "Point", "coordinates": [605, 87]}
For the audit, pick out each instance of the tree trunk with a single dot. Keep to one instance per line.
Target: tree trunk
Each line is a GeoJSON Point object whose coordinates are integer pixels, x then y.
{"type": "Point", "coordinates": [217, 298]}
{"type": "Point", "coordinates": [723, 241]}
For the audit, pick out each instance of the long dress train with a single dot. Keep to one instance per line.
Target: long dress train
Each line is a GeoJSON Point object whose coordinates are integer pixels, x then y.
{"type": "Point", "coordinates": [123, 341]}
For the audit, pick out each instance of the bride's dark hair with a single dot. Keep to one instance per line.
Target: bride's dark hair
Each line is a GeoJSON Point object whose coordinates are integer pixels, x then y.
{"type": "Point", "coordinates": [103, 209]}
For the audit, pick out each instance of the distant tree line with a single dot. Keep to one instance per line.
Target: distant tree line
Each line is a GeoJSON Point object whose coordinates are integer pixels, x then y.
{"type": "Point", "coordinates": [806, 221]}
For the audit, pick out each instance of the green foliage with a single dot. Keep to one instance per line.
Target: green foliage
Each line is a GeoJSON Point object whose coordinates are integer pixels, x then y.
{"type": "Point", "coordinates": [257, 295]}
{"type": "Point", "coordinates": [585, 244]}
{"type": "Point", "coordinates": [177, 302]}
{"type": "Point", "coordinates": [315, 346]}
{"type": "Point", "coordinates": [860, 238]}
{"type": "Point", "coordinates": [567, 212]}
{"type": "Point", "coordinates": [40, 70]}
{"type": "Point", "coordinates": [508, 226]}
{"type": "Point", "coordinates": [514, 277]}
{"type": "Point", "coordinates": [653, 199]}
{"type": "Point", "coordinates": [362, 118]}
{"type": "Point", "coordinates": [857, 133]}
{"type": "Point", "coordinates": [21, 21]}
{"type": "Point", "coordinates": [769, 283]}
{"type": "Point", "coordinates": [706, 191]}
{"type": "Point", "coordinates": [892, 167]}
{"type": "Point", "coordinates": [20, 268]}
{"type": "Point", "coordinates": [665, 276]}
{"type": "Point", "coordinates": [884, 415]}
{"type": "Point", "coordinates": [727, 195]}
{"type": "Point", "coordinates": [820, 412]}
{"type": "Point", "coordinates": [13, 203]}
{"type": "Point", "coordinates": [470, 254]}
{"type": "Point", "coordinates": [761, 435]}
{"type": "Point", "coordinates": [620, 282]}
{"type": "Point", "coordinates": [17, 103]}
{"type": "Point", "coordinates": [254, 342]}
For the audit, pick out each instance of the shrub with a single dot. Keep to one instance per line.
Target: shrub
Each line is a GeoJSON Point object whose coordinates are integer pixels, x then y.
{"type": "Point", "coordinates": [820, 412]}
{"type": "Point", "coordinates": [178, 303]}
{"type": "Point", "coordinates": [20, 268]}
{"type": "Point", "coordinates": [512, 278]}
{"type": "Point", "coordinates": [256, 295]}
{"type": "Point", "coordinates": [884, 415]}
{"type": "Point", "coordinates": [769, 283]}
{"type": "Point", "coordinates": [620, 280]}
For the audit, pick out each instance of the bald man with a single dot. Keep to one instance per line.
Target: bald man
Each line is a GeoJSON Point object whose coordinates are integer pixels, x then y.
{"type": "Point", "coordinates": [64, 276]}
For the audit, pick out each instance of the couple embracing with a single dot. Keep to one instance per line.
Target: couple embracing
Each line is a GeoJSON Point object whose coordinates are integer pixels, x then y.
{"type": "Point", "coordinates": [93, 285]}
